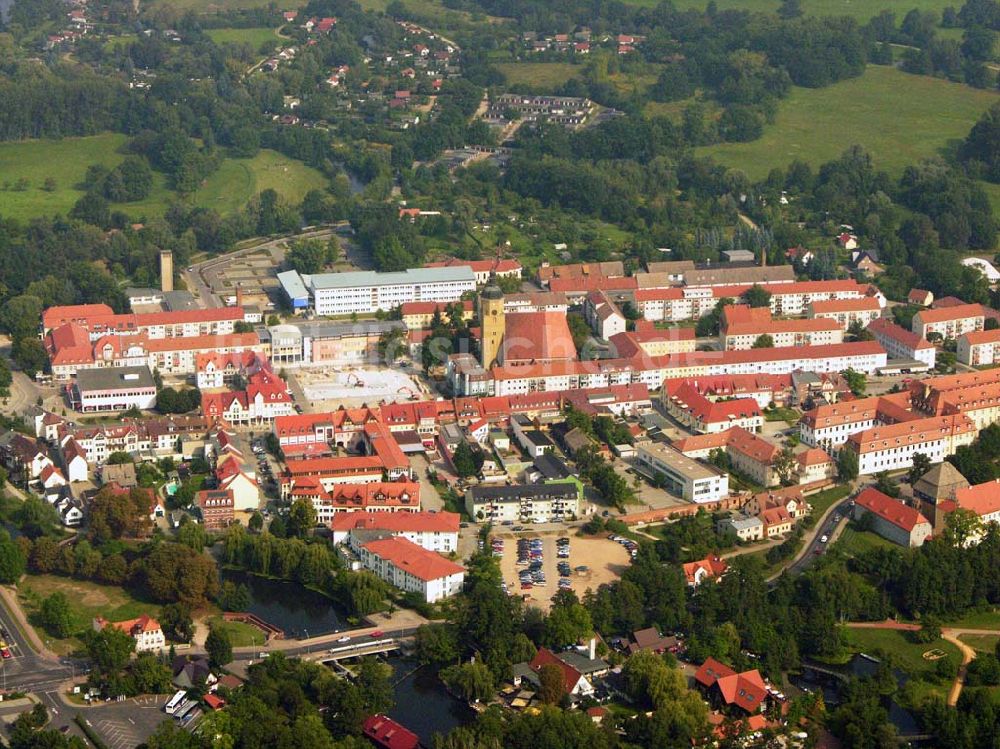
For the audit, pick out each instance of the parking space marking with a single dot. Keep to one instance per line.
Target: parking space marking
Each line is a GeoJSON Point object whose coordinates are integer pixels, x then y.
{"type": "Point", "coordinates": [118, 735]}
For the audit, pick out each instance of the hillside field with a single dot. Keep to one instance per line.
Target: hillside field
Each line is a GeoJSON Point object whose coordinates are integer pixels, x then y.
{"type": "Point", "coordinates": [255, 37]}
{"type": "Point", "coordinates": [862, 10]}
{"type": "Point", "coordinates": [540, 76]}
{"type": "Point", "coordinates": [898, 118]}
{"type": "Point", "coordinates": [66, 161]}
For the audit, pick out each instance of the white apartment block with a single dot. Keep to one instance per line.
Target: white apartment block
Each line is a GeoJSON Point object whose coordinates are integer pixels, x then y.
{"type": "Point", "coordinates": [891, 447]}
{"type": "Point", "coordinates": [412, 569]}
{"type": "Point", "coordinates": [949, 322]}
{"type": "Point", "coordinates": [979, 348]}
{"type": "Point", "coordinates": [847, 311]}
{"type": "Point", "coordinates": [783, 333]}
{"type": "Point", "coordinates": [687, 478]}
{"type": "Point", "coordinates": [434, 531]}
{"type": "Point", "coordinates": [829, 425]}
{"type": "Point", "coordinates": [900, 343]}
{"type": "Point", "coordinates": [367, 292]}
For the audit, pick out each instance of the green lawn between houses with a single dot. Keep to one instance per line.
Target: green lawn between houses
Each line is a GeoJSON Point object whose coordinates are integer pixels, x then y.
{"type": "Point", "coordinates": [905, 654]}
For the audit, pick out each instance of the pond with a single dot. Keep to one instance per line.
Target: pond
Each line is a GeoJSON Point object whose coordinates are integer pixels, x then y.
{"type": "Point", "coordinates": [860, 667]}
{"type": "Point", "coordinates": [422, 703]}
{"type": "Point", "coordinates": [295, 609]}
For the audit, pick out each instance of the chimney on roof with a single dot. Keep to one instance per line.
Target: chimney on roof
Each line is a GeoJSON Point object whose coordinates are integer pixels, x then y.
{"type": "Point", "coordinates": [593, 648]}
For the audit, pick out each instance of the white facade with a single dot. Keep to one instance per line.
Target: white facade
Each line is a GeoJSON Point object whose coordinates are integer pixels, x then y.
{"type": "Point", "coordinates": [743, 340]}
{"type": "Point", "coordinates": [900, 343]}
{"type": "Point", "coordinates": [687, 478]}
{"type": "Point", "coordinates": [367, 292]}
{"type": "Point", "coordinates": [979, 349]}
{"type": "Point", "coordinates": [411, 570]}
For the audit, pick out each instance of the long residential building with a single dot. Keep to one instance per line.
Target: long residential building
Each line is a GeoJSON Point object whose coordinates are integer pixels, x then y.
{"type": "Point", "coordinates": [847, 312]}
{"type": "Point", "coordinates": [368, 292]}
{"type": "Point", "coordinates": [676, 304]}
{"type": "Point", "coordinates": [413, 569]}
{"type": "Point", "coordinates": [864, 356]}
{"type": "Point", "coordinates": [900, 343]}
{"type": "Point", "coordinates": [434, 531]}
{"type": "Point", "coordinates": [783, 333]}
{"type": "Point", "coordinates": [686, 404]}
{"type": "Point", "coordinates": [98, 321]}
{"type": "Point", "coordinates": [949, 322]}
{"type": "Point", "coordinates": [332, 499]}
{"type": "Point", "coordinates": [71, 349]}
{"type": "Point", "coordinates": [528, 503]}
{"type": "Point", "coordinates": [891, 447]}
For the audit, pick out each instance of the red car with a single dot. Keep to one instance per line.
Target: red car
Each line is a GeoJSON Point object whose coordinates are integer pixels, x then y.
{"type": "Point", "coordinates": [377, 634]}
{"type": "Point", "coordinates": [6, 653]}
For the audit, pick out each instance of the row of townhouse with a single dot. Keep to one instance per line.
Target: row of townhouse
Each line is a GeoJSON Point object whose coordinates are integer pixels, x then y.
{"type": "Point", "coordinates": [99, 320]}
{"type": "Point", "coordinates": [862, 356]}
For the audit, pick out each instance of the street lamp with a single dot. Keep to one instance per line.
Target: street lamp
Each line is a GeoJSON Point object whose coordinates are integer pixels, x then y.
{"type": "Point", "coordinates": [307, 639]}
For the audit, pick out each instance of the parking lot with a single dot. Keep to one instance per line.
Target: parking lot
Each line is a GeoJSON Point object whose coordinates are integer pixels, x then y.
{"type": "Point", "coordinates": [604, 561]}
{"type": "Point", "coordinates": [129, 723]}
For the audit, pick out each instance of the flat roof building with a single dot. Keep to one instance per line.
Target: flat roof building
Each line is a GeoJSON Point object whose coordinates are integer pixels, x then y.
{"type": "Point", "coordinates": [367, 292]}
{"type": "Point", "coordinates": [690, 479]}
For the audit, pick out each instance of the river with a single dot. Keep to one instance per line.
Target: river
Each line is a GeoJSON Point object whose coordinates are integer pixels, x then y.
{"type": "Point", "coordinates": [860, 667]}
{"type": "Point", "coordinates": [295, 609]}
{"type": "Point", "coordinates": [422, 703]}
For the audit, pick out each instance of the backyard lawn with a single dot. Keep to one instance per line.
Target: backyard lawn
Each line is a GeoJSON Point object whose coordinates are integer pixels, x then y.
{"type": "Point", "coordinates": [540, 76]}
{"type": "Point", "coordinates": [899, 118]}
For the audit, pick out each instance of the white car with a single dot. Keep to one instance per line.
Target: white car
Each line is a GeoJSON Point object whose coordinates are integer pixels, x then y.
{"type": "Point", "coordinates": [345, 638]}
{"type": "Point", "coordinates": [823, 539]}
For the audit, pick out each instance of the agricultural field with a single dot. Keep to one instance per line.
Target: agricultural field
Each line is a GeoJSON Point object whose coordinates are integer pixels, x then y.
{"type": "Point", "coordinates": [255, 37]}
{"type": "Point", "coordinates": [66, 162]}
{"type": "Point", "coordinates": [540, 76]}
{"type": "Point", "coordinates": [862, 10]}
{"type": "Point", "coordinates": [86, 600]}
{"type": "Point", "coordinates": [899, 118]}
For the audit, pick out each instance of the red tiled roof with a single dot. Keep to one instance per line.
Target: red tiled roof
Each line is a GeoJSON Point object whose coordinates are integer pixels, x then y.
{"type": "Point", "coordinates": [882, 326]}
{"type": "Point", "coordinates": [977, 337]}
{"type": "Point", "coordinates": [745, 690]}
{"type": "Point", "coordinates": [982, 499]}
{"type": "Point", "coordinates": [864, 304]}
{"type": "Point", "coordinates": [590, 283]}
{"type": "Point", "coordinates": [701, 408]}
{"type": "Point", "coordinates": [537, 336]}
{"type": "Point", "coordinates": [400, 522]}
{"type": "Point", "coordinates": [54, 316]}
{"type": "Point", "coordinates": [889, 509]}
{"type": "Point", "coordinates": [545, 657]}
{"type": "Point", "coordinates": [388, 734]}
{"type": "Point", "coordinates": [915, 432]}
{"type": "Point", "coordinates": [944, 314]}
{"type": "Point", "coordinates": [713, 566]}
{"type": "Point", "coordinates": [814, 456]}
{"type": "Point", "coordinates": [414, 559]}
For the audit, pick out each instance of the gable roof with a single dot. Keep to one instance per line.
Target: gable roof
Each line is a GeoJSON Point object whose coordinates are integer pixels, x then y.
{"type": "Point", "coordinates": [544, 657]}
{"type": "Point", "coordinates": [889, 509]}
{"type": "Point", "coordinates": [982, 499]}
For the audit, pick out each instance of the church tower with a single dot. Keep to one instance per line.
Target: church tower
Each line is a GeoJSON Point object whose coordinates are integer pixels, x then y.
{"type": "Point", "coordinates": [491, 317]}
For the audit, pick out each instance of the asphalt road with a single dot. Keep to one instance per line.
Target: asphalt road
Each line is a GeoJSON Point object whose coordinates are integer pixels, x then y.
{"type": "Point", "coordinates": [828, 528]}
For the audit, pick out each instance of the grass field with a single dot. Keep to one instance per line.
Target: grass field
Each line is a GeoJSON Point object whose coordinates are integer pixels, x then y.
{"type": "Point", "coordinates": [255, 37]}
{"type": "Point", "coordinates": [907, 655]}
{"type": "Point", "coordinates": [211, 6]}
{"type": "Point", "coordinates": [977, 620]}
{"type": "Point", "coordinates": [822, 500]}
{"type": "Point", "coordinates": [542, 76]}
{"type": "Point", "coordinates": [66, 161]}
{"type": "Point", "coordinates": [852, 541]}
{"type": "Point", "coordinates": [981, 643]}
{"type": "Point", "coordinates": [86, 599]}
{"type": "Point", "coordinates": [859, 9]}
{"type": "Point", "coordinates": [899, 118]}
{"type": "Point", "coordinates": [240, 634]}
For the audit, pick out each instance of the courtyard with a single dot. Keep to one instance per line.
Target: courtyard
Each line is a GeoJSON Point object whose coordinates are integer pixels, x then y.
{"type": "Point", "coordinates": [329, 388]}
